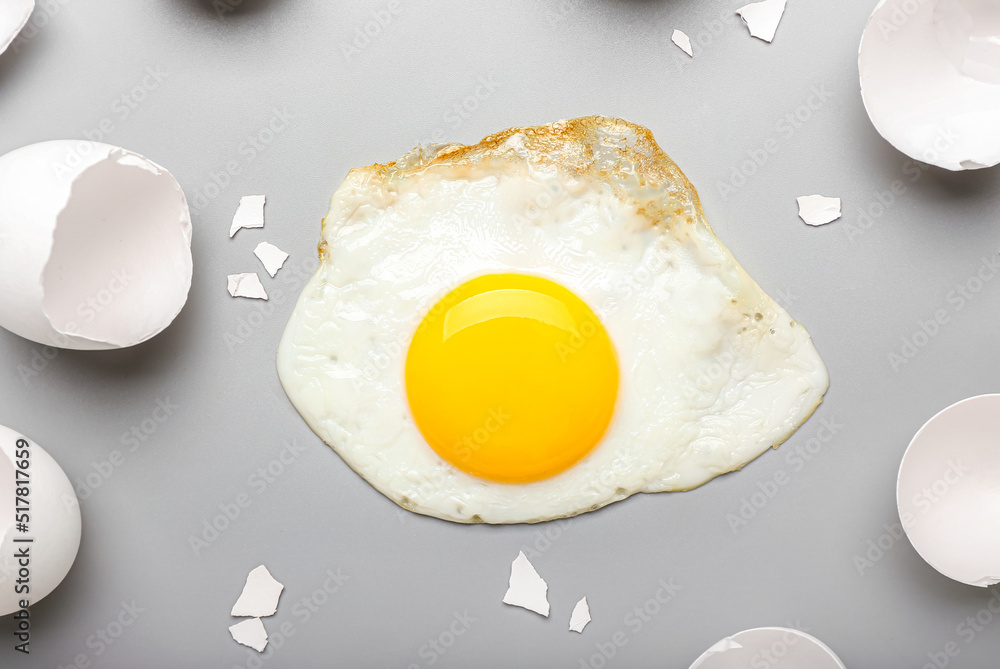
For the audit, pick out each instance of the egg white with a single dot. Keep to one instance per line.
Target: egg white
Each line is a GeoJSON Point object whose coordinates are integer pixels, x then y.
{"type": "Point", "coordinates": [713, 371]}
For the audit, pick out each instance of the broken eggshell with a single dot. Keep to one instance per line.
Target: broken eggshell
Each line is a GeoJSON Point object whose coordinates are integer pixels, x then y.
{"type": "Point", "coordinates": [260, 595]}
{"type": "Point", "coordinates": [14, 15]}
{"type": "Point", "coordinates": [250, 633]}
{"type": "Point", "coordinates": [249, 213]}
{"type": "Point", "coordinates": [53, 520]}
{"type": "Point", "coordinates": [271, 257]}
{"type": "Point", "coordinates": [818, 209]}
{"type": "Point", "coordinates": [580, 617]}
{"type": "Point", "coordinates": [762, 18]}
{"type": "Point", "coordinates": [680, 38]}
{"type": "Point", "coordinates": [948, 491]}
{"type": "Point", "coordinates": [526, 588]}
{"type": "Point", "coordinates": [246, 284]}
{"type": "Point", "coordinates": [95, 245]}
{"type": "Point", "coordinates": [930, 80]}
{"type": "Point", "coordinates": [774, 647]}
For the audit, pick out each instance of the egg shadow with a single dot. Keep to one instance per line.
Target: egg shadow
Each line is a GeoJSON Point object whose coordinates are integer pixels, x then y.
{"type": "Point", "coordinates": [122, 369]}
{"type": "Point", "coordinates": [135, 364]}
{"type": "Point", "coordinates": [927, 184]}
{"type": "Point", "coordinates": [913, 569]}
{"type": "Point", "coordinates": [222, 9]}
{"type": "Point", "coordinates": [972, 190]}
{"type": "Point", "coordinates": [969, 185]}
{"type": "Point", "coordinates": [647, 5]}
{"type": "Point", "coordinates": [14, 61]}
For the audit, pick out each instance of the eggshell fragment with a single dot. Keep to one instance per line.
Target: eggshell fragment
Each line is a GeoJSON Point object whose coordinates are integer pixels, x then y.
{"type": "Point", "coordinates": [526, 588]}
{"type": "Point", "coordinates": [95, 245]}
{"type": "Point", "coordinates": [271, 257]}
{"type": "Point", "coordinates": [260, 595]}
{"type": "Point", "coordinates": [762, 18]}
{"type": "Point", "coordinates": [581, 616]}
{"type": "Point", "coordinates": [948, 491]}
{"type": "Point", "coordinates": [250, 214]}
{"type": "Point", "coordinates": [250, 633]}
{"type": "Point", "coordinates": [930, 80]}
{"type": "Point", "coordinates": [681, 39]}
{"type": "Point", "coordinates": [246, 285]}
{"type": "Point", "coordinates": [818, 210]}
{"type": "Point", "coordinates": [53, 523]}
{"type": "Point", "coordinates": [14, 15]}
{"type": "Point", "coordinates": [781, 647]}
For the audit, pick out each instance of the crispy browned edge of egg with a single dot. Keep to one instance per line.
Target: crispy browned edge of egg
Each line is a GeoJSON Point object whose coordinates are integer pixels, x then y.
{"type": "Point", "coordinates": [567, 145]}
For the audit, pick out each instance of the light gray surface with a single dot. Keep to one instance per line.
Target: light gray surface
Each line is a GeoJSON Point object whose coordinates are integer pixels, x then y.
{"type": "Point", "coordinates": [795, 561]}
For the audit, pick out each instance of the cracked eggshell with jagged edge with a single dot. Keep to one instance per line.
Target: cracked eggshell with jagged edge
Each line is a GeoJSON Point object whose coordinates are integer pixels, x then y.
{"type": "Point", "coordinates": [14, 15]}
{"type": "Point", "coordinates": [53, 521]}
{"type": "Point", "coordinates": [948, 491]}
{"type": "Point", "coordinates": [773, 647]}
{"type": "Point", "coordinates": [930, 80]}
{"type": "Point", "coordinates": [95, 245]}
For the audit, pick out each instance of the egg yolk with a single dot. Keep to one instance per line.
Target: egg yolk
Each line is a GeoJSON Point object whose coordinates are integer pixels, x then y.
{"type": "Point", "coordinates": [511, 378]}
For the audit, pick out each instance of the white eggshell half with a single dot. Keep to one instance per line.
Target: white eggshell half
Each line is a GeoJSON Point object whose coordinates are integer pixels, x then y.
{"type": "Point", "coordinates": [930, 79]}
{"type": "Point", "coordinates": [95, 245]}
{"type": "Point", "coordinates": [54, 523]}
{"type": "Point", "coordinates": [948, 491]}
{"type": "Point", "coordinates": [774, 647]}
{"type": "Point", "coordinates": [14, 15]}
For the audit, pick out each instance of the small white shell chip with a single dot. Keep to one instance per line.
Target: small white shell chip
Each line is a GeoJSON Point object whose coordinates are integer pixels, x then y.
{"type": "Point", "coordinates": [948, 491]}
{"type": "Point", "coordinates": [818, 209]}
{"type": "Point", "coordinates": [260, 595]}
{"type": "Point", "coordinates": [930, 80]}
{"type": "Point", "coordinates": [774, 647]}
{"type": "Point", "coordinates": [14, 15]}
{"type": "Point", "coordinates": [250, 213]}
{"type": "Point", "coordinates": [246, 285]}
{"type": "Point", "coordinates": [681, 39]}
{"type": "Point", "coordinates": [250, 633]}
{"type": "Point", "coordinates": [581, 616]}
{"type": "Point", "coordinates": [271, 257]}
{"type": "Point", "coordinates": [762, 18]}
{"type": "Point", "coordinates": [526, 588]}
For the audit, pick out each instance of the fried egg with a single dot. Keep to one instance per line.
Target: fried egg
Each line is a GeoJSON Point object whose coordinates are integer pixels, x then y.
{"type": "Point", "coordinates": [536, 326]}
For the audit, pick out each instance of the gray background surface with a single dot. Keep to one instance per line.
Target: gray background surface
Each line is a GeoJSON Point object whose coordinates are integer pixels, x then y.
{"type": "Point", "coordinates": [859, 290]}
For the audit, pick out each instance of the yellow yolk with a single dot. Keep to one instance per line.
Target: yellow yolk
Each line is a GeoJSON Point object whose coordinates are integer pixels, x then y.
{"type": "Point", "coordinates": [511, 378]}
